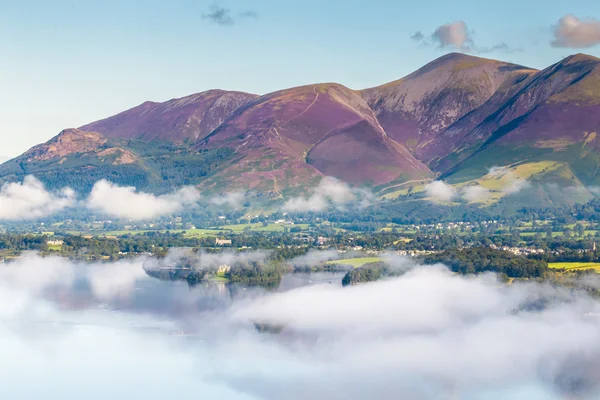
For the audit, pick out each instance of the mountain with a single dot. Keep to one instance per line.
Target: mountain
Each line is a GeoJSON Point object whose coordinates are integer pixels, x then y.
{"type": "Point", "coordinates": [417, 110]}
{"type": "Point", "coordinates": [188, 118]}
{"type": "Point", "coordinates": [553, 115]}
{"type": "Point", "coordinates": [455, 118]}
{"type": "Point", "coordinates": [78, 159]}
{"type": "Point", "coordinates": [294, 136]}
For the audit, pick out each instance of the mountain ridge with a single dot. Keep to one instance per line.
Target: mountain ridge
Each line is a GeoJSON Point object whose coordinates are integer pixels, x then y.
{"type": "Point", "coordinates": [454, 118]}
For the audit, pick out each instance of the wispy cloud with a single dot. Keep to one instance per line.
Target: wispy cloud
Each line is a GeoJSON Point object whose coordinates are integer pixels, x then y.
{"type": "Point", "coordinates": [475, 193]}
{"type": "Point", "coordinates": [126, 202]}
{"type": "Point", "coordinates": [249, 14]}
{"type": "Point", "coordinates": [225, 17]}
{"type": "Point", "coordinates": [512, 182]}
{"type": "Point", "coordinates": [574, 32]}
{"type": "Point", "coordinates": [233, 199]}
{"type": "Point", "coordinates": [219, 15]}
{"type": "Point", "coordinates": [418, 36]}
{"type": "Point", "coordinates": [30, 200]}
{"type": "Point", "coordinates": [330, 192]}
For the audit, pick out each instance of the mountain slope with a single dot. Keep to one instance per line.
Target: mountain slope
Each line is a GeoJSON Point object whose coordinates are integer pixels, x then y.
{"type": "Point", "coordinates": [453, 119]}
{"type": "Point", "coordinates": [78, 159]}
{"type": "Point", "coordinates": [554, 116]}
{"type": "Point", "coordinates": [192, 117]}
{"type": "Point", "coordinates": [416, 110]}
{"type": "Point", "coordinates": [311, 131]}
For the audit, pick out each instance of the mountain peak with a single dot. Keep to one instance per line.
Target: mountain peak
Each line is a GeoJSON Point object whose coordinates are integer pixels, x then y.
{"type": "Point", "coordinates": [190, 117]}
{"type": "Point", "coordinates": [67, 142]}
{"type": "Point", "coordinates": [578, 58]}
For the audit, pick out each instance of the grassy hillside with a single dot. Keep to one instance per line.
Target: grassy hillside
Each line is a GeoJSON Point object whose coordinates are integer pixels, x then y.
{"type": "Point", "coordinates": [151, 166]}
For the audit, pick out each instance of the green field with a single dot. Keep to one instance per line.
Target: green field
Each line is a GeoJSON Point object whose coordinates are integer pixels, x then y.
{"type": "Point", "coordinates": [355, 262]}
{"type": "Point", "coordinates": [556, 234]}
{"type": "Point", "coordinates": [573, 266]}
{"type": "Point", "coordinates": [257, 227]}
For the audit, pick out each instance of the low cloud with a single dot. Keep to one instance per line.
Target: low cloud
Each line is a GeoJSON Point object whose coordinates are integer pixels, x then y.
{"type": "Point", "coordinates": [204, 260]}
{"type": "Point", "coordinates": [576, 33]}
{"type": "Point", "coordinates": [513, 184]}
{"type": "Point", "coordinates": [595, 190]}
{"type": "Point", "coordinates": [330, 192]}
{"type": "Point", "coordinates": [225, 17]}
{"type": "Point", "coordinates": [126, 202]}
{"type": "Point", "coordinates": [440, 191]}
{"type": "Point", "coordinates": [314, 258]}
{"type": "Point", "coordinates": [469, 337]}
{"type": "Point", "coordinates": [457, 36]}
{"type": "Point", "coordinates": [475, 194]}
{"type": "Point", "coordinates": [31, 200]}
{"type": "Point", "coordinates": [231, 199]}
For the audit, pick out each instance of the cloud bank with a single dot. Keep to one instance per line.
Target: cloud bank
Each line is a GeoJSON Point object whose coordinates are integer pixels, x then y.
{"type": "Point", "coordinates": [126, 202]}
{"type": "Point", "coordinates": [30, 200]}
{"type": "Point", "coordinates": [426, 335]}
{"type": "Point", "coordinates": [330, 192]}
{"type": "Point", "coordinates": [576, 33]}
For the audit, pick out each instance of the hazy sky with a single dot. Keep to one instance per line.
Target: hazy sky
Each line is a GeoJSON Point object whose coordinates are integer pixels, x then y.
{"type": "Point", "coordinates": [67, 63]}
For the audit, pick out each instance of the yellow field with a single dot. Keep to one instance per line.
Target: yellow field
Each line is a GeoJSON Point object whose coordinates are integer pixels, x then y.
{"type": "Point", "coordinates": [356, 262]}
{"type": "Point", "coordinates": [498, 181]}
{"type": "Point", "coordinates": [573, 266]}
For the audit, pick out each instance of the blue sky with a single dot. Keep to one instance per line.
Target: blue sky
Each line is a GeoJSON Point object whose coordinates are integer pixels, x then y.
{"type": "Point", "coordinates": [66, 63]}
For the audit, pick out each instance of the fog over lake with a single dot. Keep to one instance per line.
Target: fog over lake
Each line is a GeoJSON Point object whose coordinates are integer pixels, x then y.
{"type": "Point", "coordinates": [109, 331]}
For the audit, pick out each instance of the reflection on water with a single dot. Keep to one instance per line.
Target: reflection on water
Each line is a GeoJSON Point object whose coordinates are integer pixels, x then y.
{"type": "Point", "coordinates": [178, 299]}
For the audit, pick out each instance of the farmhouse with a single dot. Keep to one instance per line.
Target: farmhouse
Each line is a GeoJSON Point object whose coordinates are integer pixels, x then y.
{"type": "Point", "coordinates": [222, 242]}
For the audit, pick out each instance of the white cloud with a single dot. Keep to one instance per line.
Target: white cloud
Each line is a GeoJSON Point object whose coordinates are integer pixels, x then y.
{"type": "Point", "coordinates": [454, 35]}
{"type": "Point", "coordinates": [476, 193]}
{"type": "Point", "coordinates": [576, 32]}
{"type": "Point", "coordinates": [426, 335]}
{"type": "Point", "coordinates": [314, 258]}
{"type": "Point", "coordinates": [595, 190]}
{"type": "Point", "coordinates": [231, 199]}
{"type": "Point", "coordinates": [329, 192]}
{"type": "Point", "coordinates": [126, 202]}
{"type": "Point", "coordinates": [30, 200]}
{"type": "Point", "coordinates": [513, 184]}
{"type": "Point", "coordinates": [440, 191]}
{"type": "Point", "coordinates": [203, 260]}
